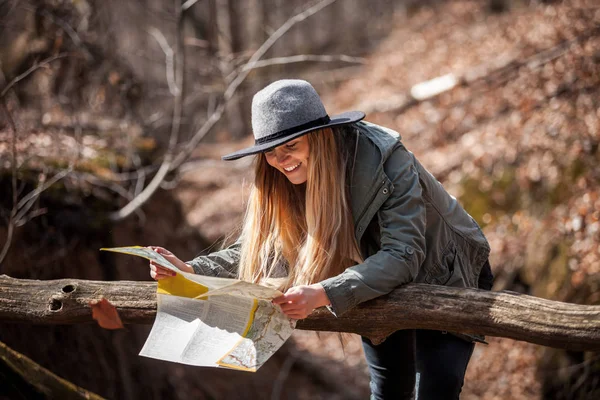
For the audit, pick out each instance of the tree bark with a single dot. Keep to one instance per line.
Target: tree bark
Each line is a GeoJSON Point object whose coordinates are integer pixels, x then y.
{"type": "Point", "coordinates": [41, 380]}
{"type": "Point", "coordinates": [504, 314]}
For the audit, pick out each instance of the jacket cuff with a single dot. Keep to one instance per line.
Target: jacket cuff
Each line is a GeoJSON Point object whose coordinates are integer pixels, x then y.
{"type": "Point", "coordinates": [201, 269]}
{"type": "Point", "coordinates": [340, 295]}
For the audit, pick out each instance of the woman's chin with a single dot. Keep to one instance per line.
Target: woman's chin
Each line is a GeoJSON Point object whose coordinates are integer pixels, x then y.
{"type": "Point", "coordinates": [296, 177]}
{"type": "Point", "coordinates": [298, 181]}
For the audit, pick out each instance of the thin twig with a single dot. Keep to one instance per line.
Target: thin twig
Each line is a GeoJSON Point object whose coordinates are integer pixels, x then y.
{"type": "Point", "coordinates": [136, 175]}
{"type": "Point", "coordinates": [188, 4]}
{"type": "Point", "coordinates": [304, 58]}
{"type": "Point", "coordinates": [32, 69]}
{"type": "Point", "coordinates": [35, 193]}
{"type": "Point", "coordinates": [139, 184]}
{"type": "Point", "coordinates": [13, 212]}
{"type": "Point", "coordinates": [297, 59]}
{"type": "Point", "coordinates": [9, 235]}
{"type": "Point", "coordinates": [27, 202]}
{"type": "Point", "coordinates": [169, 60]}
{"type": "Point", "coordinates": [271, 41]}
{"type": "Point", "coordinates": [94, 180]}
{"type": "Point", "coordinates": [69, 30]}
{"type": "Point", "coordinates": [35, 213]}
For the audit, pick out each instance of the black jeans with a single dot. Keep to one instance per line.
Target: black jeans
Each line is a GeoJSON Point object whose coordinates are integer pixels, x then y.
{"type": "Point", "coordinates": [420, 364]}
{"type": "Point", "coordinates": [430, 364]}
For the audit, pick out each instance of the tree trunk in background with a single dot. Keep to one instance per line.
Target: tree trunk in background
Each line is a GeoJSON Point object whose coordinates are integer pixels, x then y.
{"type": "Point", "coordinates": [277, 12]}
{"type": "Point", "coordinates": [257, 28]}
{"type": "Point", "coordinates": [228, 45]}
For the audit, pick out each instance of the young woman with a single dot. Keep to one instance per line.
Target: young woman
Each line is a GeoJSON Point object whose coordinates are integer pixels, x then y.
{"type": "Point", "coordinates": [346, 213]}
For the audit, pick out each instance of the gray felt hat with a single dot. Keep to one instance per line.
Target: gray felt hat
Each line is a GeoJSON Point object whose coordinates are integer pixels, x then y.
{"type": "Point", "coordinates": [285, 110]}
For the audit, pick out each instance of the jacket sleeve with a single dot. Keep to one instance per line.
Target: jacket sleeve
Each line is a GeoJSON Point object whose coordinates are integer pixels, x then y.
{"type": "Point", "coordinates": [223, 263]}
{"type": "Point", "coordinates": [402, 249]}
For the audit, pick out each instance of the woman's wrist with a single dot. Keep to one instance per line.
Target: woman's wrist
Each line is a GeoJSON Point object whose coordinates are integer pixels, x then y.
{"type": "Point", "coordinates": [323, 299]}
{"type": "Point", "coordinates": [186, 268]}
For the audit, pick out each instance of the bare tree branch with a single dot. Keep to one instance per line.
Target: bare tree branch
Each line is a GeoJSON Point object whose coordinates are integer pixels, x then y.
{"type": "Point", "coordinates": [172, 162]}
{"type": "Point", "coordinates": [188, 4]}
{"type": "Point", "coordinates": [305, 58]}
{"type": "Point", "coordinates": [169, 60]}
{"type": "Point", "coordinates": [262, 50]}
{"type": "Point", "coordinates": [18, 214]}
{"type": "Point", "coordinates": [69, 30]}
{"type": "Point", "coordinates": [20, 208]}
{"type": "Point", "coordinates": [42, 379]}
{"type": "Point", "coordinates": [165, 166]}
{"type": "Point", "coordinates": [413, 306]}
{"type": "Point", "coordinates": [234, 85]}
{"type": "Point", "coordinates": [141, 176]}
{"type": "Point", "coordinates": [31, 70]}
{"type": "Point", "coordinates": [27, 201]}
{"type": "Point", "coordinates": [25, 219]}
{"type": "Point", "coordinates": [94, 180]}
{"type": "Point", "coordinates": [13, 166]}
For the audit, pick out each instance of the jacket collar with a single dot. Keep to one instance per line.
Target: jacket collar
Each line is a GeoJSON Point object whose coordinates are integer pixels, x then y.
{"type": "Point", "coordinates": [383, 138]}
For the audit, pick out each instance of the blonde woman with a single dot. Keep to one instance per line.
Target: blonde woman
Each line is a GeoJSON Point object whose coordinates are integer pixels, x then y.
{"type": "Point", "coordinates": [346, 213]}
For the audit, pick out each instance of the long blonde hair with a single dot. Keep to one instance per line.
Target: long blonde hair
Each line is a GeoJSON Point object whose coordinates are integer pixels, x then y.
{"type": "Point", "coordinates": [307, 227]}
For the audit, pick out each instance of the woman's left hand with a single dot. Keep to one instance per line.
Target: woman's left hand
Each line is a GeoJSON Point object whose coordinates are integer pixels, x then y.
{"type": "Point", "coordinates": [299, 301]}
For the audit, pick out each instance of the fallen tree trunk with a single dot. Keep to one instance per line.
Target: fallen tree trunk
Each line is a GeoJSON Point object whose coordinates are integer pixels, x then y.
{"type": "Point", "coordinates": [42, 381]}
{"type": "Point", "coordinates": [504, 314]}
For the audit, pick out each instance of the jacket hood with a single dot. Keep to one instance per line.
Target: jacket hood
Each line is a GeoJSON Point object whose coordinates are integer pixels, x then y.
{"type": "Point", "coordinates": [384, 139]}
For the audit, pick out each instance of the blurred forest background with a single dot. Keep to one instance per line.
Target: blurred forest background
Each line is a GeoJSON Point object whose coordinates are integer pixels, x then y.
{"type": "Point", "coordinates": [114, 116]}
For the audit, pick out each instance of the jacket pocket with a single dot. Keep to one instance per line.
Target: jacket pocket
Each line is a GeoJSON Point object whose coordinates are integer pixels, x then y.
{"type": "Point", "coordinates": [442, 271]}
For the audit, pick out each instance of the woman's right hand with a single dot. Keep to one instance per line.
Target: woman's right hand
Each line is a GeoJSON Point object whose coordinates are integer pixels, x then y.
{"type": "Point", "coordinates": [158, 272]}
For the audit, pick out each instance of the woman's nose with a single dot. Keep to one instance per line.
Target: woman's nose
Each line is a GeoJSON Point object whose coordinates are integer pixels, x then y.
{"type": "Point", "coordinates": [281, 156]}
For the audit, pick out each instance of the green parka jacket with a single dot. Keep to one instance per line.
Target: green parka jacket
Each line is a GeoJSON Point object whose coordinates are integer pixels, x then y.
{"type": "Point", "coordinates": [408, 227]}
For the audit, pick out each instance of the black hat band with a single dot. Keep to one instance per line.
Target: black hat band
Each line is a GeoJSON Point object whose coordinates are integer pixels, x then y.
{"type": "Point", "coordinates": [290, 131]}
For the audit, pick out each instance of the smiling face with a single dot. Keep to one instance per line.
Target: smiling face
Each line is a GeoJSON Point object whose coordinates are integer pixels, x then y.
{"type": "Point", "coordinates": [291, 159]}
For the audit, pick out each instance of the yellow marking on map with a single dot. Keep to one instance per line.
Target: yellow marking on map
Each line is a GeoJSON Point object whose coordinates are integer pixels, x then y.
{"type": "Point", "coordinates": [180, 286]}
{"type": "Point", "coordinates": [234, 366]}
{"type": "Point", "coordinates": [251, 319]}
{"type": "Point", "coordinates": [228, 354]}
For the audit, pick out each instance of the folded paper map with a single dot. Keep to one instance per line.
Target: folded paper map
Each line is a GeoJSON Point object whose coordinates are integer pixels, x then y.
{"type": "Point", "coordinates": [213, 322]}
